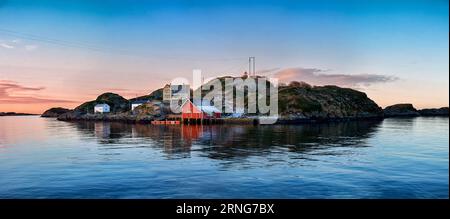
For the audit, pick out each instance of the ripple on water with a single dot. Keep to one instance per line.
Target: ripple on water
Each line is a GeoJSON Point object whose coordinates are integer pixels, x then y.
{"type": "Point", "coordinates": [394, 158]}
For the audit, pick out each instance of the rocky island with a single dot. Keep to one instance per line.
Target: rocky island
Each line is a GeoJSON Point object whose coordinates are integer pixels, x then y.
{"type": "Point", "coordinates": [302, 102]}
{"type": "Point", "coordinates": [298, 102]}
{"type": "Point", "coordinates": [408, 110]}
{"type": "Point", "coordinates": [54, 112]}
{"type": "Point", "coordinates": [401, 110]}
{"type": "Point", "coordinates": [16, 114]}
{"type": "Point", "coordinates": [120, 109]}
{"type": "Point", "coordinates": [443, 111]}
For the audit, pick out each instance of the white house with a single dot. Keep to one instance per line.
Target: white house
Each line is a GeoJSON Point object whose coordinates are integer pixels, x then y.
{"type": "Point", "coordinates": [101, 108]}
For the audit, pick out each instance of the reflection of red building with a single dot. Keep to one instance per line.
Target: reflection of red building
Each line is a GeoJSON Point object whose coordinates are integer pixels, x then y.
{"type": "Point", "coordinates": [191, 111]}
{"type": "Point", "coordinates": [191, 132]}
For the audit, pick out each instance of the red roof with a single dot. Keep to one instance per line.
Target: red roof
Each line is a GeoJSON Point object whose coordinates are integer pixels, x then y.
{"type": "Point", "coordinates": [191, 111]}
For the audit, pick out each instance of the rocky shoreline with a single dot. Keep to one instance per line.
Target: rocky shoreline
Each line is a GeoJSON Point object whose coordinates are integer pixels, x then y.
{"type": "Point", "coordinates": [130, 118]}
{"type": "Point", "coordinates": [121, 117]}
{"type": "Point", "coordinates": [298, 103]}
{"type": "Point", "coordinates": [408, 110]}
{"type": "Point", "coordinates": [443, 111]}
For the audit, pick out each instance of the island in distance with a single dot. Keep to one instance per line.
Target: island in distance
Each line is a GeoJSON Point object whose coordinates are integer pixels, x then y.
{"type": "Point", "coordinates": [299, 102]}
{"type": "Point", "coordinates": [15, 114]}
{"type": "Point", "coordinates": [55, 112]}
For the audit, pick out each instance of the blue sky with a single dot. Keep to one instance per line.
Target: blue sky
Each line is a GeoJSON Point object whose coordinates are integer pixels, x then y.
{"type": "Point", "coordinates": [67, 47]}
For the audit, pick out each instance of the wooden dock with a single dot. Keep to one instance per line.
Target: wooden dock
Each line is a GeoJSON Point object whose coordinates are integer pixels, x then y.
{"type": "Point", "coordinates": [188, 122]}
{"type": "Point", "coordinates": [166, 122]}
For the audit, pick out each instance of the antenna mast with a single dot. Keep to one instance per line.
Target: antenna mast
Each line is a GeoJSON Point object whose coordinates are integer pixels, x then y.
{"type": "Point", "coordinates": [251, 66]}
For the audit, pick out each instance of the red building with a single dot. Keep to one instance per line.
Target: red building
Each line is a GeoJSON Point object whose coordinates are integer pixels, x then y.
{"type": "Point", "coordinates": [191, 111]}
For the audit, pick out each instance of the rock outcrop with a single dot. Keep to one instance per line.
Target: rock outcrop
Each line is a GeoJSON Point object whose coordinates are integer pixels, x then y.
{"type": "Point", "coordinates": [155, 95]}
{"type": "Point", "coordinates": [55, 112]}
{"type": "Point", "coordinates": [120, 110]}
{"type": "Point", "coordinates": [149, 110]}
{"type": "Point", "coordinates": [401, 110]}
{"type": "Point", "coordinates": [118, 106]}
{"type": "Point", "coordinates": [117, 103]}
{"type": "Point", "coordinates": [434, 112]}
{"type": "Point", "coordinates": [302, 101]}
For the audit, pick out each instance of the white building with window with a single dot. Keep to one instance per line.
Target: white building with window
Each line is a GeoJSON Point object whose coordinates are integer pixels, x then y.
{"type": "Point", "coordinates": [101, 108]}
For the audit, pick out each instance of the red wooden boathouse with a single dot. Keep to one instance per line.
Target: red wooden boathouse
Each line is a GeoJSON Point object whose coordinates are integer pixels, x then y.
{"type": "Point", "coordinates": [190, 111]}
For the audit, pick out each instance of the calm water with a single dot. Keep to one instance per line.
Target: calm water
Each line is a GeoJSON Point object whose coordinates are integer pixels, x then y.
{"type": "Point", "coordinates": [394, 158]}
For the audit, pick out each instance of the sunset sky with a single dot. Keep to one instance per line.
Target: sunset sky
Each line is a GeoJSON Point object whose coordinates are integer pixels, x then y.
{"type": "Point", "coordinates": [63, 53]}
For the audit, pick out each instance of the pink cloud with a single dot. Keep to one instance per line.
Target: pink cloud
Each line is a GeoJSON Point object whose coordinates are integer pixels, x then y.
{"type": "Point", "coordinates": [13, 93]}
{"type": "Point", "coordinates": [319, 77]}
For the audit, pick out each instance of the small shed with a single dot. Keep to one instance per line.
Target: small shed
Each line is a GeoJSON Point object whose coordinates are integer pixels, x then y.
{"type": "Point", "coordinates": [102, 108]}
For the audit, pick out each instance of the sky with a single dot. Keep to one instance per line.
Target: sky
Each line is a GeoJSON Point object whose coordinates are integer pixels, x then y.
{"type": "Point", "coordinates": [63, 53]}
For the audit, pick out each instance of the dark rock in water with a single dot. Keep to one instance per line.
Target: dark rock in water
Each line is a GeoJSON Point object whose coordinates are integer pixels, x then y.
{"type": "Point", "coordinates": [401, 110]}
{"type": "Point", "coordinates": [434, 112]}
{"type": "Point", "coordinates": [55, 112]}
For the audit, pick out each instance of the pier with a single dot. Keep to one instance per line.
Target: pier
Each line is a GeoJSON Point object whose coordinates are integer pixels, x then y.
{"type": "Point", "coordinates": [181, 121]}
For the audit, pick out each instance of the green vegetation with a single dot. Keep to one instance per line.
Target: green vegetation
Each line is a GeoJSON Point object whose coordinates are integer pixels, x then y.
{"type": "Point", "coordinates": [325, 101]}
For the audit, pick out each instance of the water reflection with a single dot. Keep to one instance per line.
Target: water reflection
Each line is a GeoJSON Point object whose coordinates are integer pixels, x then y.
{"type": "Point", "coordinates": [394, 158]}
{"type": "Point", "coordinates": [244, 141]}
{"type": "Point", "coordinates": [228, 142]}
